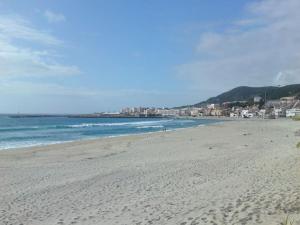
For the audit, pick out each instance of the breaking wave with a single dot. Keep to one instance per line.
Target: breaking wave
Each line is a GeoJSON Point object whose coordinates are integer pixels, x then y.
{"type": "Point", "coordinates": [139, 124]}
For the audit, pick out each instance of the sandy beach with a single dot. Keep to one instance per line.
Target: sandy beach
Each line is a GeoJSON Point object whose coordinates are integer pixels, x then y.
{"type": "Point", "coordinates": [235, 172]}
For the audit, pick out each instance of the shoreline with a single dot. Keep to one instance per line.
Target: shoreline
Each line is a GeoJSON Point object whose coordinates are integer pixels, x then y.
{"type": "Point", "coordinates": [238, 172]}
{"type": "Point", "coordinates": [111, 136]}
{"type": "Point", "coordinates": [217, 119]}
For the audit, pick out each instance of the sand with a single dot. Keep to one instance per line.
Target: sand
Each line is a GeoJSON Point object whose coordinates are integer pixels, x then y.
{"type": "Point", "coordinates": [239, 172]}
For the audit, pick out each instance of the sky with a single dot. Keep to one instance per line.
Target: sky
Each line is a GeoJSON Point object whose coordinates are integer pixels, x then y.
{"type": "Point", "coordinates": [90, 56]}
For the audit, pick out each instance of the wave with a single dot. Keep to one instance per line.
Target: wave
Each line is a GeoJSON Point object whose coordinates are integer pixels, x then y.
{"type": "Point", "coordinates": [36, 134]}
{"type": "Point", "coordinates": [24, 138]}
{"type": "Point", "coordinates": [82, 125]}
{"type": "Point", "coordinates": [145, 127]}
{"type": "Point", "coordinates": [32, 128]}
{"type": "Point", "coordinates": [27, 144]}
{"type": "Point", "coordinates": [8, 129]}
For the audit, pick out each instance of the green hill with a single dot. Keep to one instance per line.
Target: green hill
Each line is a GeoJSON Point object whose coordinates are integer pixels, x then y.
{"type": "Point", "coordinates": [245, 93]}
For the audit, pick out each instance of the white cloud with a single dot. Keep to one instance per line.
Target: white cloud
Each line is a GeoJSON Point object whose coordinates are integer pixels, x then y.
{"type": "Point", "coordinates": [15, 27]}
{"type": "Point", "coordinates": [262, 49]}
{"type": "Point", "coordinates": [247, 22]}
{"type": "Point", "coordinates": [24, 50]}
{"type": "Point", "coordinates": [8, 86]}
{"type": "Point", "coordinates": [54, 17]}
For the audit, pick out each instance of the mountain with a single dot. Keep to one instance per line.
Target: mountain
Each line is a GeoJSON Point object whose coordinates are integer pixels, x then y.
{"type": "Point", "coordinates": [245, 93]}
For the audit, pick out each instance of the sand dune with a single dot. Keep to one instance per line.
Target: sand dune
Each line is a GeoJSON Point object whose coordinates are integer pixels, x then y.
{"type": "Point", "coordinates": [240, 172]}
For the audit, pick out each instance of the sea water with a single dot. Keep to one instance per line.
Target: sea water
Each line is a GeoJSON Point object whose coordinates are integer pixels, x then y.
{"type": "Point", "coordinates": [34, 131]}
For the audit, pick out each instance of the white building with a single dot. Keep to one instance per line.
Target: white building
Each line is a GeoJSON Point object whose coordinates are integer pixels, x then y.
{"type": "Point", "coordinates": [168, 112]}
{"type": "Point", "coordinates": [211, 106]}
{"type": "Point", "coordinates": [184, 112]}
{"type": "Point", "coordinates": [277, 112]}
{"type": "Point", "coordinates": [288, 100]}
{"type": "Point", "coordinates": [246, 114]}
{"type": "Point", "coordinates": [234, 115]}
{"type": "Point", "coordinates": [292, 112]}
{"type": "Point", "coordinates": [262, 113]}
{"type": "Point", "coordinates": [195, 111]}
{"type": "Point", "coordinates": [257, 99]}
{"type": "Point", "coordinates": [126, 110]}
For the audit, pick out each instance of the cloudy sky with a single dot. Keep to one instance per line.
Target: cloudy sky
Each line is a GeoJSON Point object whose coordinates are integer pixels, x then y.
{"type": "Point", "coordinates": [88, 56]}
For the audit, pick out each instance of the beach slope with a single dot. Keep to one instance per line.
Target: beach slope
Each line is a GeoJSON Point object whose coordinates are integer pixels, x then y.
{"type": "Point", "coordinates": [238, 172]}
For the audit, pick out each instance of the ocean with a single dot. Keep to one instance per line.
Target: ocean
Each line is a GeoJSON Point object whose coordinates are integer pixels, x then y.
{"type": "Point", "coordinates": [35, 131]}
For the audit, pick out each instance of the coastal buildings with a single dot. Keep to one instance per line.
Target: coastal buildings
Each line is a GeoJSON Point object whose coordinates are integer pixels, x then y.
{"type": "Point", "coordinates": [292, 112]}
{"type": "Point", "coordinates": [283, 107]}
{"type": "Point", "coordinates": [168, 112]}
{"type": "Point", "coordinates": [257, 99]}
{"type": "Point", "coordinates": [288, 100]}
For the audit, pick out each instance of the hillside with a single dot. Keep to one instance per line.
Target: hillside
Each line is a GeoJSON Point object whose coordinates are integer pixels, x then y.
{"type": "Point", "coordinates": [245, 93]}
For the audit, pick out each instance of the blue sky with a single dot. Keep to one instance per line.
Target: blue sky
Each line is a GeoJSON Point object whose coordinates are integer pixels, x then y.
{"type": "Point", "coordinates": [87, 56]}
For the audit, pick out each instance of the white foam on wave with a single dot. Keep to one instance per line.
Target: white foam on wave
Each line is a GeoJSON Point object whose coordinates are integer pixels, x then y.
{"type": "Point", "coordinates": [145, 127]}
{"type": "Point", "coordinates": [82, 125]}
{"type": "Point", "coordinates": [16, 128]}
{"type": "Point", "coordinates": [28, 144]}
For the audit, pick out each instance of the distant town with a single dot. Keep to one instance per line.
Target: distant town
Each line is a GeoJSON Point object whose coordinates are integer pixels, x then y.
{"type": "Point", "coordinates": [256, 107]}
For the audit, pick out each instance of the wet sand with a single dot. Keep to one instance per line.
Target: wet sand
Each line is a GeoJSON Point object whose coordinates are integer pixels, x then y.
{"type": "Point", "coordinates": [237, 172]}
